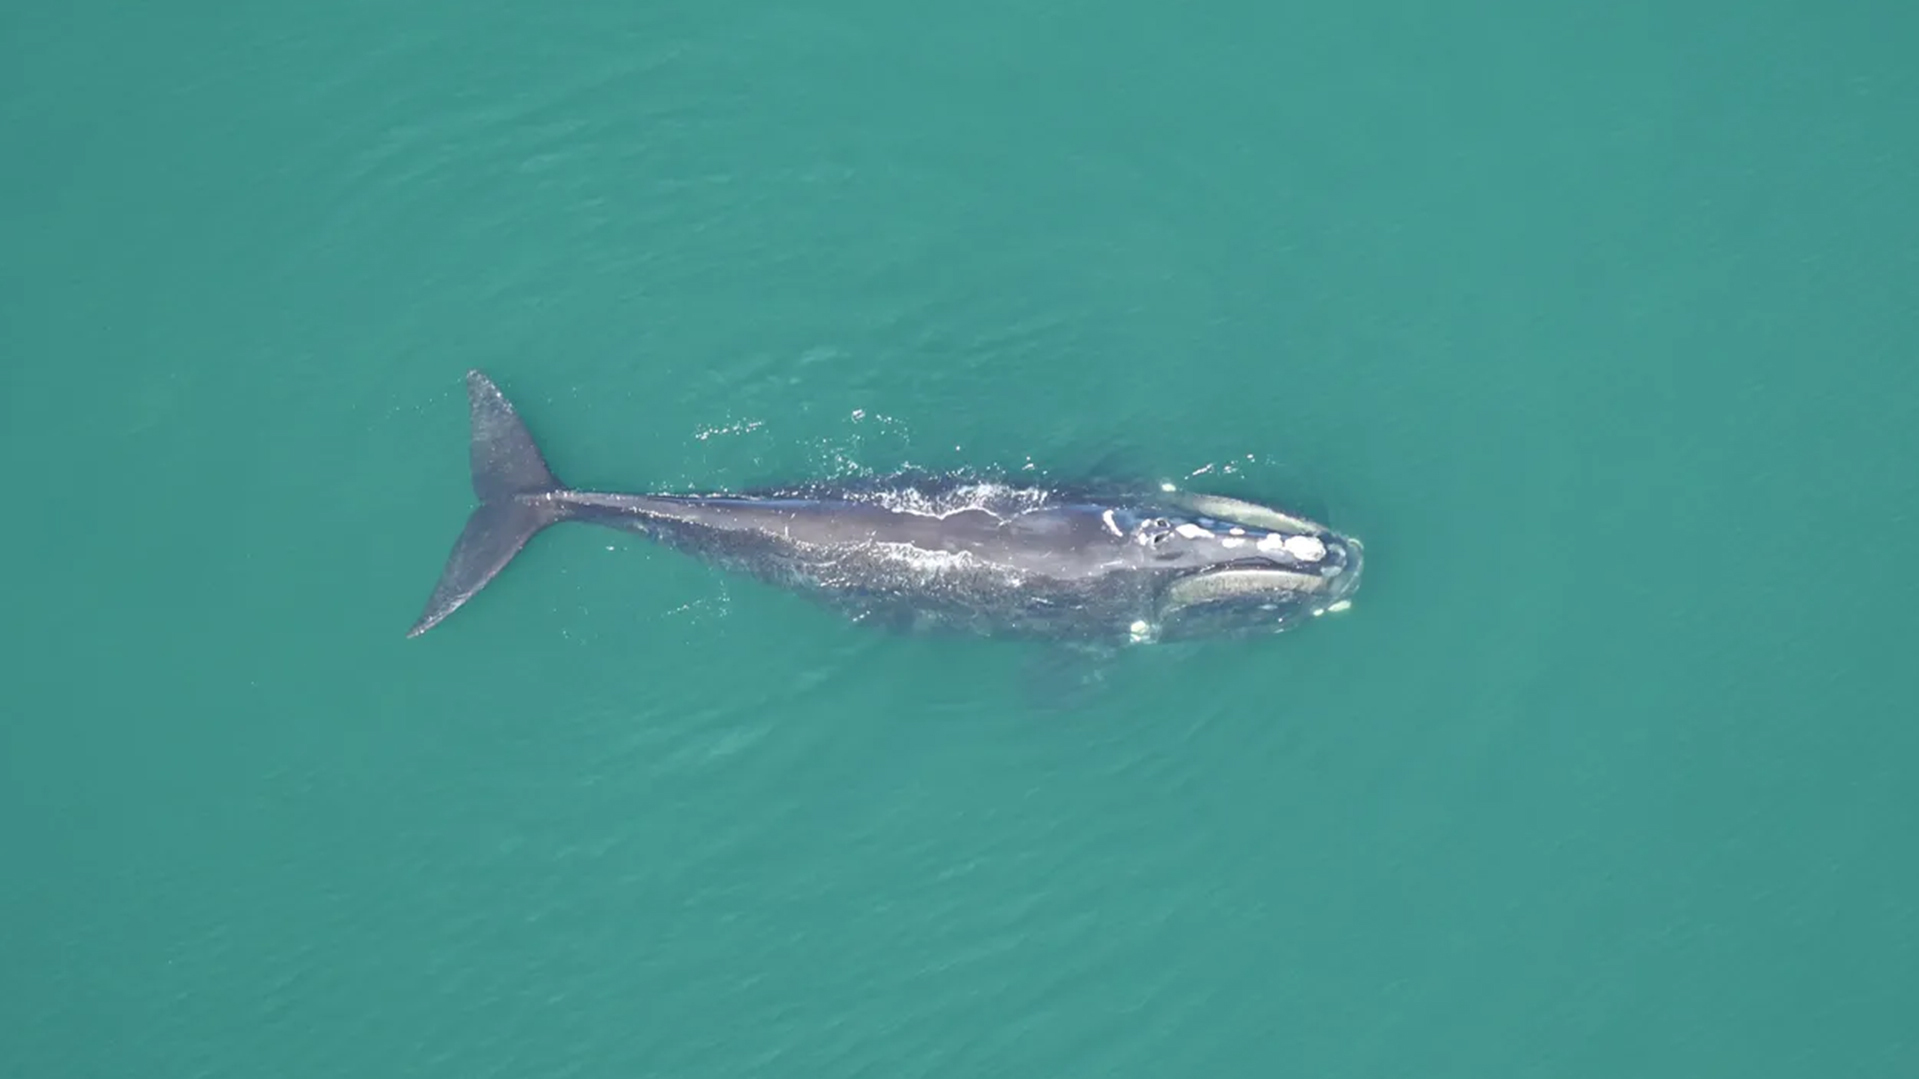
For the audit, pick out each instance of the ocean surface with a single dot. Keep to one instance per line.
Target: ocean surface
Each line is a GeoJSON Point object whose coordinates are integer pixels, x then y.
{"type": "Point", "coordinates": [1599, 324]}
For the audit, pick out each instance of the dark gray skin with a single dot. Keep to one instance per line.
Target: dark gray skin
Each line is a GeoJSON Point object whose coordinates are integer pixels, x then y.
{"type": "Point", "coordinates": [936, 553]}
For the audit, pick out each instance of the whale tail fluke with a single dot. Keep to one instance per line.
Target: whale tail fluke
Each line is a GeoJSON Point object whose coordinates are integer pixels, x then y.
{"type": "Point", "coordinates": [518, 493]}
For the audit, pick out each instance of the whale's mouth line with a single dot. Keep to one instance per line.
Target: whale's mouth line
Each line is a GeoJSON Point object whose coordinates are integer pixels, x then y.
{"type": "Point", "coordinates": [1278, 562]}
{"type": "Point", "coordinates": [1253, 562]}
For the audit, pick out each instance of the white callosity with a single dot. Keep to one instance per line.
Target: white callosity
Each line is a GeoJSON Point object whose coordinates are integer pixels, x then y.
{"type": "Point", "coordinates": [1305, 548]}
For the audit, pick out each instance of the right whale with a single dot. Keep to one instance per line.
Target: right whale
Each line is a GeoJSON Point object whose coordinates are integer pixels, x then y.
{"type": "Point", "coordinates": [937, 553]}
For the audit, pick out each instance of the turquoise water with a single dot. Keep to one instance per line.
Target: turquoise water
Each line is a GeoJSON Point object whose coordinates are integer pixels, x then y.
{"type": "Point", "coordinates": [1596, 325]}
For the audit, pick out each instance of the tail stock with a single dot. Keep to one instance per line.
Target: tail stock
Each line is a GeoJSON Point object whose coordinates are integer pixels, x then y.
{"type": "Point", "coordinates": [518, 497]}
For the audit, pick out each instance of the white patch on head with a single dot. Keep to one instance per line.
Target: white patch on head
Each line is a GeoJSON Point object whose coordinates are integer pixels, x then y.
{"type": "Point", "coordinates": [1342, 605]}
{"type": "Point", "coordinates": [1231, 541]}
{"type": "Point", "coordinates": [1167, 487]}
{"type": "Point", "coordinates": [1141, 631]}
{"type": "Point", "coordinates": [1272, 543]}
{"type": "Point", "coordinates": [1111, 525]}
{"type": "Point", "coordinates": [1305, 548]}
{"type": "Point", "coordinates": [1237, 531]}
{"type": "Point", "coordinates": [1191, 531]}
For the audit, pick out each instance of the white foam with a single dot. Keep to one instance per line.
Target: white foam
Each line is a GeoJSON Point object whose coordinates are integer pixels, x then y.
{"type": "Point", "coordinates": [997, 499]}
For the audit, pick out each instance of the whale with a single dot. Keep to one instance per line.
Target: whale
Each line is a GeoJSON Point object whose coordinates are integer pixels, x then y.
{"type": "Point", "coordinates": [1105, 563]}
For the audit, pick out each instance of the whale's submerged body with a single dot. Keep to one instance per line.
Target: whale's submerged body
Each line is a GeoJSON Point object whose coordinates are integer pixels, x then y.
{"type": "Point", "coordinates": [937, 553]}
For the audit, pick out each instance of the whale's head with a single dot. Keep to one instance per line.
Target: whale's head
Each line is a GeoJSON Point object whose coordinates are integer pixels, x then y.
{"type": "Point", "coordinates": [1235, 568]}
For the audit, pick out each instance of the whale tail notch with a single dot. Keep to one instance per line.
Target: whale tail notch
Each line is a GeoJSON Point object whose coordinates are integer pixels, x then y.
{"type": "Point", "coordinates": [518, 493]}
